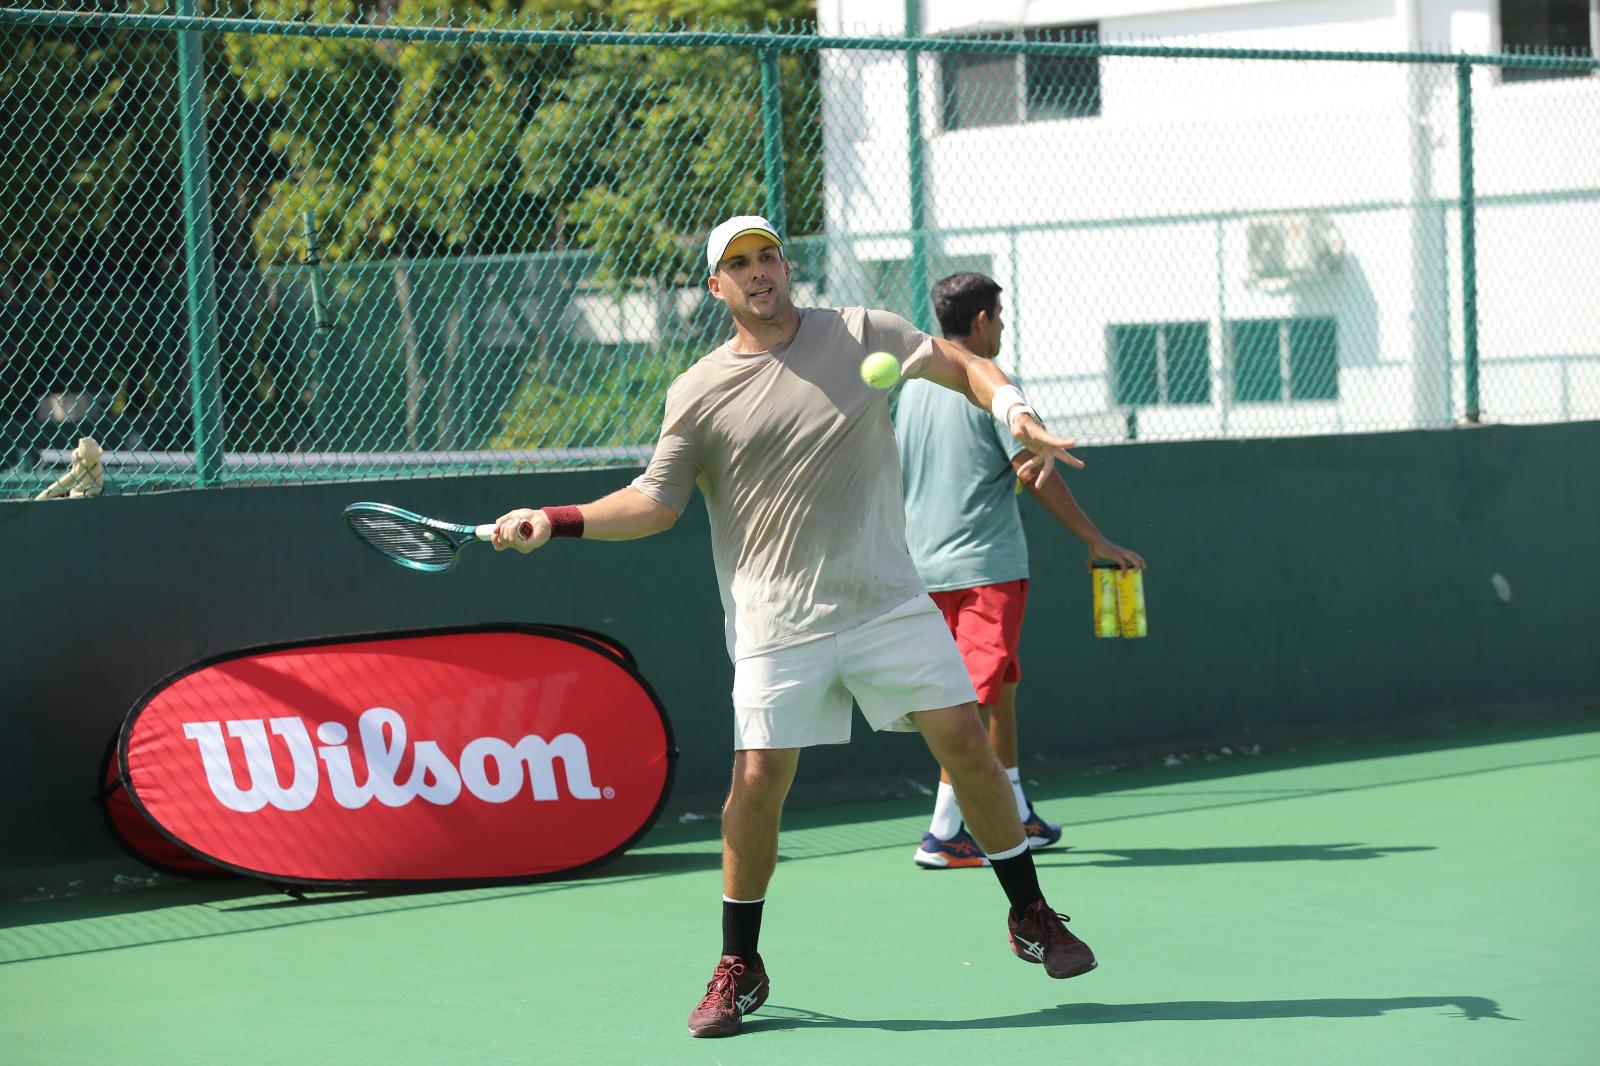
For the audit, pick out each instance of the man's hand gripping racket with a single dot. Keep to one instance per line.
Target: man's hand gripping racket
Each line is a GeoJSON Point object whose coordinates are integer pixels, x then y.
{"type": "Point", "coordinates": [431, 546]}
{"type": "Point", "coordinates": [524, 529]}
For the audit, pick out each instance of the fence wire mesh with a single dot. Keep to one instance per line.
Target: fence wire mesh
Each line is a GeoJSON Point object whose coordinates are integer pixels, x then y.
{"type": "Point", "coordinates": [405, 239]}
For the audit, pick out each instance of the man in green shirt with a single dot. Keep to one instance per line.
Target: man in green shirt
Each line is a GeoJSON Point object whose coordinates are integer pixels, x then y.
{"type": "Point", "coordinates": [965, 535]}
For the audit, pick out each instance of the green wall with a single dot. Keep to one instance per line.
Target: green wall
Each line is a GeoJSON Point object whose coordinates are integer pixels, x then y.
{"type": "Point", "coordinates": [1335, 583]}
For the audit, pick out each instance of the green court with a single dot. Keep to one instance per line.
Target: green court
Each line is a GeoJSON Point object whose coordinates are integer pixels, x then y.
{"type": "Point", "coordinates": [1425, 901]}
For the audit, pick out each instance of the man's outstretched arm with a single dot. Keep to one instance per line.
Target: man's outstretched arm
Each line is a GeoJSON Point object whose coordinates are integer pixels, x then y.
{"type": "Point", "coordinates": [626, 514]}
{"type": "Point", "coordinates": [1056, 498]}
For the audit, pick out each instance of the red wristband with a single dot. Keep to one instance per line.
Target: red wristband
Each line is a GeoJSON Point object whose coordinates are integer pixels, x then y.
{"type": "Point", "coordinates": [564, 521]}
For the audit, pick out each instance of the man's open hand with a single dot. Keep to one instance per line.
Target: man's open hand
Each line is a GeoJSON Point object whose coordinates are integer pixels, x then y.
{"type": "Point", "coordinates": [1046, 449]}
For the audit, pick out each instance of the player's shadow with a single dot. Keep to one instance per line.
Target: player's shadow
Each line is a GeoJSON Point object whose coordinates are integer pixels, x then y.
{"type": "Point", "coordinates": [1206, 856]}
{"type": "Point", "coordinates": [775, 1018]}
{"type": "Point", "coordinates": [631, 867]}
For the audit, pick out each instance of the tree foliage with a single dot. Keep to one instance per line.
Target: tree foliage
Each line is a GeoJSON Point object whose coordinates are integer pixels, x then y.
{"type": "Point", "coordinates": [400, 150]}
{"type": "Point", "coordinates": [420, 148]}
{"type": "Point", "coordinates": [91, 224]}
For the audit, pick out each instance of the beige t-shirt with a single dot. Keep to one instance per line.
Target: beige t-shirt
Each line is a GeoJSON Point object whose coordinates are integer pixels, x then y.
{"type": "Point", "coordinates": [796, 458]}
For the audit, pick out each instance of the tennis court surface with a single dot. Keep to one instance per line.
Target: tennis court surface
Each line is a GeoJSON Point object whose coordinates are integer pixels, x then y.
{"type": "Point", "coordinates": [1399, 902]}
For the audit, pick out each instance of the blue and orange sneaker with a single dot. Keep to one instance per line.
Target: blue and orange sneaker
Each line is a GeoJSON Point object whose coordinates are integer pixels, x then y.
{"type": "Point", "coordinates": [1040, 833]}
{"type": "Point", "coordinates": [952, 854]}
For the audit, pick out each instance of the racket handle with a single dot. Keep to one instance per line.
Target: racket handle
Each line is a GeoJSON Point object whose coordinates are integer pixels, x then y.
{"type": "Point", "coordinates": [486, 532]}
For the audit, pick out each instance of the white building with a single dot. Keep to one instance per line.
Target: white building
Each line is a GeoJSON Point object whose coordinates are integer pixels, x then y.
{"type": "Point", "coordinates": [1221, 247]}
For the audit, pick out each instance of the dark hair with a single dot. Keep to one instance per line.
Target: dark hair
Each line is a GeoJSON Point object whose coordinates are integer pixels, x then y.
{"type": "Point", "coordinates": [958, 298]}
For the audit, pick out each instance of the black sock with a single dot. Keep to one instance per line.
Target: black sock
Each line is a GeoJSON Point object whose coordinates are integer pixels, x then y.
{"type": "Point", "coordinates": [741, 927]}
{"type": "Point", "coordinates": [1020, 880]}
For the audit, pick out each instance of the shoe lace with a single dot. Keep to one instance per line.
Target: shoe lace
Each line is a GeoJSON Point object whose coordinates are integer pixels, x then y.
{"type": "Point", "coordinates": [720, 991]}
{"type": "Point", "coordinates": [1053, 924]}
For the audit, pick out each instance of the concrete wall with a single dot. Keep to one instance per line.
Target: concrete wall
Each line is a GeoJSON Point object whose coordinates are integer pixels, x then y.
{"type": "Point", "coordinates": [1340, 583]}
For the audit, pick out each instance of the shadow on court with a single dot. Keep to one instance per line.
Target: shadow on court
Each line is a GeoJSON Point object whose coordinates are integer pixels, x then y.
{"type": "Point", "coordinates": [629, 867]}
{"type": "Point", "coordinates": [130, 901]}
{"type": "Point", "coordinates": [1204, 856]}
{"type": "Point", "coordinates": [1470, 1008]}
{"type": "Point", "coordinates": [243, 896]}
{"type": "Point", "coordinates": [84, 925]}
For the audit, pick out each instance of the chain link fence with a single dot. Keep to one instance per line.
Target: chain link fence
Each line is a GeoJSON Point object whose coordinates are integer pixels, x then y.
{"type": "Point", "coordinates": [275, 242]}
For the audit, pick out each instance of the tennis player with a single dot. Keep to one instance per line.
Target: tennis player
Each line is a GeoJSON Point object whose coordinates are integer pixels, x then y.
{"type": "Point", "coordinates": [965, 535]}
{"type": "Point", "coordinates": [795, 457]}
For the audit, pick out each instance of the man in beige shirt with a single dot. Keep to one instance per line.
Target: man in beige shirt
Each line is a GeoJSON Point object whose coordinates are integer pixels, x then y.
{"type": "Point", "coordinates": [795, 456]}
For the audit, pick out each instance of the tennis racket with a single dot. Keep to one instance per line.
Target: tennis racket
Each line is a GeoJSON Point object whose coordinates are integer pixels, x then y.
{"type": "Point", "coordinates": [415, 542]}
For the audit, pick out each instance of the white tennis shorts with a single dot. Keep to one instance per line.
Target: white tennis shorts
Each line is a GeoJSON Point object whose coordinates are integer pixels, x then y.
{"type": "Point", "coordinates": [901, 662]}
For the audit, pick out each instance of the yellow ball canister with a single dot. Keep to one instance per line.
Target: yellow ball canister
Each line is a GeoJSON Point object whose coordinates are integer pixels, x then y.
{"type": "Point", "coordinates": [1130, 603]}
{"type": "Point", "coordinates": [1106, 623]}
{"type": "Point", "coordinates": [1118, 602]}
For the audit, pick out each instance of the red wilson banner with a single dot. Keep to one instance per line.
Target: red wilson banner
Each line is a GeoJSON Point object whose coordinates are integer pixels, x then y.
{"type": "Point", "coordinates": [441, 757]}
{"type": "Point", "coordinates": [136, 835]}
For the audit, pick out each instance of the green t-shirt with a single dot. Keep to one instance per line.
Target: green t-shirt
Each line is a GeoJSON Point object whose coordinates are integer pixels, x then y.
{"type": "Point", "coordinates": [962, 524]}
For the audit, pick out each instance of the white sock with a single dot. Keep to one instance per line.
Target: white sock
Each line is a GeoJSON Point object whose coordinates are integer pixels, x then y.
{"type": "Point", "coordinates": [1010, 853]}
{"type": "Point", "coordinates": [946, 812]}
{"type": "Point", "coordinates": [1016, 787]}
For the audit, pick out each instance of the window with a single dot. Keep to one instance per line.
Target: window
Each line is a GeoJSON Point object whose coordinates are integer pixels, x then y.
{"type": "Point", "coordinates": [1161, 362]}
{"type": "Point", "coordinates": [1545, 25]}
{"type": "Point", "coordinates": [980, 88]}
{"type": "Point", "coordinates": [890, 286]}
{"type": "Point", "coordinates": [1276, 360]}
{"type": "Point", "coordinates": [986, 89]}
{"type": "Point", "coordinates": [1313, 359]}
{"type": "Point", "coordinates": [1063, 86]}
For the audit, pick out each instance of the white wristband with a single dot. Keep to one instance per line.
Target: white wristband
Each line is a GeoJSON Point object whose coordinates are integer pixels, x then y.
{"type": "Point", "coordinates": [1006, 399]}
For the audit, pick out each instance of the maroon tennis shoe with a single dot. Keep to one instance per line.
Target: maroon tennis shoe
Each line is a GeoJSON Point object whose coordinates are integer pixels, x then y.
{"type": "Point", "coordinates": [738, 986]}
{"type": "Point", "coordinates": [1041, 936]}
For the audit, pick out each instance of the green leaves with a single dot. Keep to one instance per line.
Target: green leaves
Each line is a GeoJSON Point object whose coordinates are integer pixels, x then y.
{"type": "Point", "coordinates": [426, 147]}
{"type": "Point", "coordinates": [510, 230]}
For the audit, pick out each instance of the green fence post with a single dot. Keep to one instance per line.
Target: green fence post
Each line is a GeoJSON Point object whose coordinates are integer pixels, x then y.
{"type": "Point", "coordinates": [199, 263]}
{"type": "Point", "coordinates": [1225, 379]}
{"type": "Point", "coordinates": [1469, 242]}
{"type": "Point", "coordinates": [321, 324]}
{"type": "Point", "coordinates": [920, 315]}
{"type": "Point", "coordinates": [1016, 319]}
{"type": "Point", "coordinates": [772, 138]}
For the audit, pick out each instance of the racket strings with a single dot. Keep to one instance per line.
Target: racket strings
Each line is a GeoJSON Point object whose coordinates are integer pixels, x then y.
{"type": "Point", "coordinates": [401, 539]}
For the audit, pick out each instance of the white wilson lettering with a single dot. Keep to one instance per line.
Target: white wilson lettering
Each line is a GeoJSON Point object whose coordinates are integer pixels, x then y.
{"type": "Point", "coordinates": [491, 769]}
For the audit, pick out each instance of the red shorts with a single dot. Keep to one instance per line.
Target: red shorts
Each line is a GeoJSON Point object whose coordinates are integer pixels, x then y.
{"type": "Point", "coordinates": [987, 624]}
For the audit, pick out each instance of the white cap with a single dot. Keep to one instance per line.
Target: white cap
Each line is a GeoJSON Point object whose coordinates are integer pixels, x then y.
{"type": "Point", "coordinates": [731, 230]}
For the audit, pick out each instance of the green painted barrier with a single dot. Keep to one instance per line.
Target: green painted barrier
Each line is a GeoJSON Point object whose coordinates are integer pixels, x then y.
{"type": "Point", "coordinates": [1337, 586]}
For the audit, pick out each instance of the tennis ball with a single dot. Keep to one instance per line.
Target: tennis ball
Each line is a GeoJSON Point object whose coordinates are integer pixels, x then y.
{"type": "Point", "coordinates": [880, 370]}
